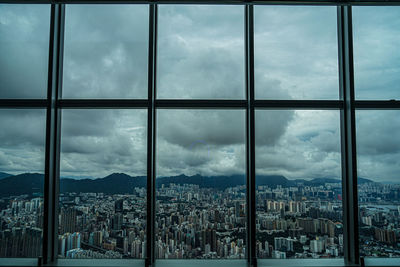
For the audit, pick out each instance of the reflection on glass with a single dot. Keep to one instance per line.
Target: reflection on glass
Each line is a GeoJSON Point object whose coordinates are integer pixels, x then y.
{"type": "Point", "coordinates": [201, 189]}
{"type": "Point", "coordinates": [298, 184]}
{"type": "Point", "coordinates": [106, 51]}
{"type": "Point", "coordinates": [200, 52]}
{"type": "Point", "coordinates": [378, 154]}
{"type": "Point", "coordinates": [103, 184]}
{"type": "Point", "coordinates": [296, 55]}
{"type": "Point", "coordinates": [24, 49]}
{"type": "Point", "coordinates": [21, 182]}
{"type": "Point", "coordinates": [376, 55]}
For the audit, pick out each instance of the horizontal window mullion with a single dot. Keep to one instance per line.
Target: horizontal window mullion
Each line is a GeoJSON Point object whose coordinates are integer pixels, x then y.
{"type": "Point", "coordinates": [23, 103]}
{"type": "Point", "coordinates": [298, 104]}
{"type": "Point", "coordinates": [215, 104]}
{"type": "Point", "coordinates": [210, 2]}
{"type": "Point", "coordinates": [106, 103]}
{"type": "Point", "coordinates": [201, 104]}
{"type": "Point", "coordinates": [377, 104]}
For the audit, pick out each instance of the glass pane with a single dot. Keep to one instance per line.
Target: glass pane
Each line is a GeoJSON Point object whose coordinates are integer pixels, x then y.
{"type": "Point", "coordinates": [296, 54]}
{"type": "Point", "coordinates": [22, 152]}
{"type": "Point", "coordinates": [376, 55]}
{"type": "Point", "coordinates": [201, 185]}
{"type": "Point", "coordinates": [105, 54]}
{"type": "Point", "coordinates": [378, 152]}
{"type": "Point", "coordinates": [103, 184]}
{"type": "Point", "coordinates": [200, 52]}
{"type": "Point", "coordinates": [298, 184]}
{"type": "Point", "coordinates": [24, 50]}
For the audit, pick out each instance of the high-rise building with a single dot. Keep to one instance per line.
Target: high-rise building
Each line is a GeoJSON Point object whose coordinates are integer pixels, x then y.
{"type": "Point", "coordinates": [68, 220]}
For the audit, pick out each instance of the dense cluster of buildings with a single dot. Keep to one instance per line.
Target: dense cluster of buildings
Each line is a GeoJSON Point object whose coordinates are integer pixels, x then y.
{"type": "Point", "coordinates": [379, 219]}
{"type": "Point", "coordinates": [299, 222]}
{"type": "Point", "coordinates": [21, 223]}
{"type": "Point", "coordinates": [304, 221]}
{"type": "Point", "coordinates": [194, 222]}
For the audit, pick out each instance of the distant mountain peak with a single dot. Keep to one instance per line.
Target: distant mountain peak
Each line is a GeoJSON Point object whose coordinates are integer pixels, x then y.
{"type": "Point", "coordinates": [118, 174]}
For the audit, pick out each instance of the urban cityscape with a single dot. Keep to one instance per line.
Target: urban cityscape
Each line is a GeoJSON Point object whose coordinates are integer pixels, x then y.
{"type": "Point", "coordinates": [303, 220]}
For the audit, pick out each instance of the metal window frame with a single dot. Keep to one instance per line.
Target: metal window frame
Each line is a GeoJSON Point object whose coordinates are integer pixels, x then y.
{"type": "Point", "coordinates": [346, 105]}
{"type": "Point", "coordinates": [53, 123]}
{"type": "Point", "coordinates": [348, 136]}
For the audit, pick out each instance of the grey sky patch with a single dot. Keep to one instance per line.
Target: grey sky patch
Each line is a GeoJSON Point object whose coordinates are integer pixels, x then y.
{"type": "Point", "coordinates": [296, 46]}
{"type": "Point", "coordinates": [116, 142]}
{"type": "Point", "coordinates": [189, 128]}
{"type": "Point", "coordinates": [206, 142]}
{"type": "Point", "coordinates": [376, 57]}
{"type": "Point", "coordinates": [22, 128]}
{"type": "Point", "coordinates": [377, 132]}
{"type": "Point", "coordinates": [106, 60]}
{"type": "Point", "coordinates": [24, 44]}
{"type": "Point", "coordinates": [378, 145]}
{"type": "Point", "coordinates": [201, 52]}
{"type": "Point", "coordinates": [22, 140]}
{"type": "Point", "coordinates": [293, 155]}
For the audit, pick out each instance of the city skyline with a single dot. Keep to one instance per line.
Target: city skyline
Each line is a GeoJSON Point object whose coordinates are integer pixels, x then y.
{"type": "Point", "coordinates": [302, 221]}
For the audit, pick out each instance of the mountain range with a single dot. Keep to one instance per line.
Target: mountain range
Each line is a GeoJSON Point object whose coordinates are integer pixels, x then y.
{"type": "Point", "coordinates": [4, 175]}
{"type": "Point", "coordinates": [120, 183]}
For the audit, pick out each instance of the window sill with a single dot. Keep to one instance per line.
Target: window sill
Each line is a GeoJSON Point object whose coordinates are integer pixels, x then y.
{"type": "Point", "coordinates": [301, 262]}
{"type": "Point", "coordinates": [369, 262]}
{"type": "Point", "coordinates": [378, 262]}
{"type": "Point", "coordinates": [97, 262]}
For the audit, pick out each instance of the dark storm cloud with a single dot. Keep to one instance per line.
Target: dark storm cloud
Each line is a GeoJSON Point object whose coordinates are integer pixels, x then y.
{"type": "Point", "coordinates": [271, 126]}
{"type": "Point", "coordinates": [207, 142]}
{"type": "Point", "coordinates": [185, 128]}
{"type": "Point", "coordinates": [24, 35]}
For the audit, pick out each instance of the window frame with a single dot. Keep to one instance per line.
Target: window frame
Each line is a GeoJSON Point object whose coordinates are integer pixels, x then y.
{"type": "Point", "coordinates": [346, 104]}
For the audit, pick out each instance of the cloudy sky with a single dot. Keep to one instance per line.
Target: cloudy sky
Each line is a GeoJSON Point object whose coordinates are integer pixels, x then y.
{"type": "Point", "coordinates": [200, 55]}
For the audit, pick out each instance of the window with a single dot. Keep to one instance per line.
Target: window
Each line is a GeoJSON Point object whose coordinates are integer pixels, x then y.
{"type": "Point", "coordinates": [376, 36]}
{"type": "Point", "coordinates": [185, 133]}
{"type": "Point", "coordinates": [378, 186]}
{"type": "Point", "coordinates": [24, 46]}
{"type": "Point", "coordinates": [298, 184]}
{"type": "Point", "coordinates": [195, 46]}
{"type": "Point", "coordinates": [102, 202]}
{"type": "Point", "coordinates": [21, 176]}
{"type": "Point", "coordinates": [105, 54]}
{"type": "Point", "coordinates": [295, 52]}
{"type": "Point", "coordinates": [201, 192]}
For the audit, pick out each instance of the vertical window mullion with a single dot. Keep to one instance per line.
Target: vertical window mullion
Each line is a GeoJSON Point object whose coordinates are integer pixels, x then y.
{"type": "Point", "coordinates": [250, 135]}
{"type": "Point", "coordinates": [52, 150]}
{"type": "Point", "coordinates": [348, 136]}
{"type": "Point", "coordinates": [151, 127]}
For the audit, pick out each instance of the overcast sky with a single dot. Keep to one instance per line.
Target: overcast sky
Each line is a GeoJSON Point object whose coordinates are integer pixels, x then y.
{"type": "Point", "coordinates": [200, 55]}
